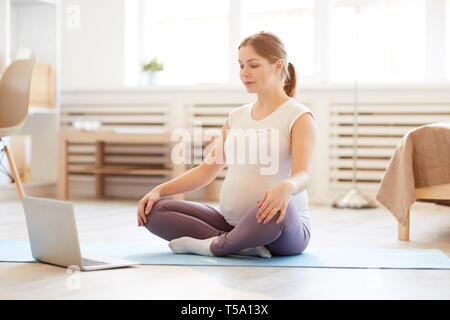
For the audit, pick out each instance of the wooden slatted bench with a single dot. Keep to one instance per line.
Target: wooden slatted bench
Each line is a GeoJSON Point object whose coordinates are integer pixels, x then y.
{"type": "Point", "coordinates": [100, 169]}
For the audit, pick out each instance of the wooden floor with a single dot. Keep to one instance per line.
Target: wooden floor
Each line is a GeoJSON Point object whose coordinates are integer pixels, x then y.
{"type": "Point", "coordinates": [115, 221]}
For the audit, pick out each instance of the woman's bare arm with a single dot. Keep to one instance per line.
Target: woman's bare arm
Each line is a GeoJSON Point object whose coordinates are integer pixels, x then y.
{"type": "Point", "coordinates": [201, 175]}
{"type": "Point", "coordinates": [303, 142]}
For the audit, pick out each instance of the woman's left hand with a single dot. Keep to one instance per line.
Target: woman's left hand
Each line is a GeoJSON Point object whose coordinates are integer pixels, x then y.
{"type": "Point", "coordinates": [275, 199]}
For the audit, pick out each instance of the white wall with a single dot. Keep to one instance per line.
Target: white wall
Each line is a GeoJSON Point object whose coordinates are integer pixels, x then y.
{"type": "Point", "coordinates": [33, 26]}
{"type": "Point", "coordinates": [4, 33]}
{"type": "Point", "coordinates": [92, 53]}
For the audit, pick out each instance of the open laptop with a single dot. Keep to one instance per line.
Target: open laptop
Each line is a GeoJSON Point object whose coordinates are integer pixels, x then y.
{"type": "Point", "coordinates": [54, 237]}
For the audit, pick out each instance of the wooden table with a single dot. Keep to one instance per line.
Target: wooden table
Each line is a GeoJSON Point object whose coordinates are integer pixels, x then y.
{"type": "Point", "coordinates": [99, 169]}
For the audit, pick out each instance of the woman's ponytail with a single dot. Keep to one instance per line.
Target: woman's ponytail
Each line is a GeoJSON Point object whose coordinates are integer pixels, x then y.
{"type": "Point", "coordinates": [290, 82]}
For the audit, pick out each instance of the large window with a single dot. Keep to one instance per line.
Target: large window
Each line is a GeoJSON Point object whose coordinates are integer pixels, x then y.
{"type": "Point", "coordinates": [377, 41]}
{"type": "Point", "coordinates": [292, 21]}
{"type": "Point", "coordinates": [189, 37]}
{"type": "Point", "coordinates": [328, 41]}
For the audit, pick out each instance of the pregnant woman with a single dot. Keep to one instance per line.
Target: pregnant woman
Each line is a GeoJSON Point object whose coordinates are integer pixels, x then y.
{"type": "Point", "coordinates": [263, 202]}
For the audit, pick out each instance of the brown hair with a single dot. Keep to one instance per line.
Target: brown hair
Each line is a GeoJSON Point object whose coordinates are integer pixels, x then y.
{"type": "Point", "coordinates": [269, 46]}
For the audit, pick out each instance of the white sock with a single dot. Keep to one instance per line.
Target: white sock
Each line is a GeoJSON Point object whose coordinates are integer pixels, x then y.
{"type": "Point", "coordinates": [202, 247]}
{"type": "Point", "coordinates": [192, 245]}
{"type": "Point", "coordinates": [260, 251]}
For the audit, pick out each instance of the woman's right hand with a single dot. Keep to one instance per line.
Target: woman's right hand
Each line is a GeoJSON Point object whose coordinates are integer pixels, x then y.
{"type": "Point", "coordinates": [145, 206]}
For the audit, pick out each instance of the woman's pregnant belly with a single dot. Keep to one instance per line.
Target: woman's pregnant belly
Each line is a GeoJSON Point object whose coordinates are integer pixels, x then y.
{"type": "Point", "coordinates": [236, 198]}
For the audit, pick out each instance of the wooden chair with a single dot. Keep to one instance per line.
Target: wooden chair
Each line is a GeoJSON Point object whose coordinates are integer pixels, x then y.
{"type": "Point", "coordinates": [436, 192]}
{"type": "Point", "coordinates": [14, 102]}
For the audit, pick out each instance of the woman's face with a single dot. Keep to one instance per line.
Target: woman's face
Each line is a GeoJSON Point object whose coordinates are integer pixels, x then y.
{"type": "Point", "coordinates": [256, 73]}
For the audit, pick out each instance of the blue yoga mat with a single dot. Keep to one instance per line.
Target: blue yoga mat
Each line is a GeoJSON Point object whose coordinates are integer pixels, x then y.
{"type": "Point", "coordinates": [160, 254]}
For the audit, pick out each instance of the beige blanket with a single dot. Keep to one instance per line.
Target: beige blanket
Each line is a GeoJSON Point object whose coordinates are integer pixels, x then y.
{"type": "Point", "coordinates": [422, 159]}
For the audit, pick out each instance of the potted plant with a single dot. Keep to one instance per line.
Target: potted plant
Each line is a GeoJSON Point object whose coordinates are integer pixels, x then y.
{"type": "Point", "coordinates": [152, 69]}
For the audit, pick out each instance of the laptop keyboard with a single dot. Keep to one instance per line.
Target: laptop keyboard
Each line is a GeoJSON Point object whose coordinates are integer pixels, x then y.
{"type": "Point", "coordinates": [89, 262]}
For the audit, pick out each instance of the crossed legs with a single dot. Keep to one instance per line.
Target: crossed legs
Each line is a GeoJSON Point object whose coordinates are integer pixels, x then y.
{"type": "Point", "coordinates": [186, 223]}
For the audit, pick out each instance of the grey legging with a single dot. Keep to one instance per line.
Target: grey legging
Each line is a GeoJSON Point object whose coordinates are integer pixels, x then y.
{"type": "Point", "coordinates": [171, 219]}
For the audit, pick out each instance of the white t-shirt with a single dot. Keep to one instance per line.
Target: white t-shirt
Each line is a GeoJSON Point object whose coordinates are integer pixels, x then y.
{"type": "Point", "coordinates": [258, 155]}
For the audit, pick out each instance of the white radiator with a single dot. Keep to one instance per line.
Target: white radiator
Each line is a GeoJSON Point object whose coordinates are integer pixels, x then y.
{"type": "Point", "coordinates": [385, 115]}
{"type": "Point", "coordinates": [380, 128]}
